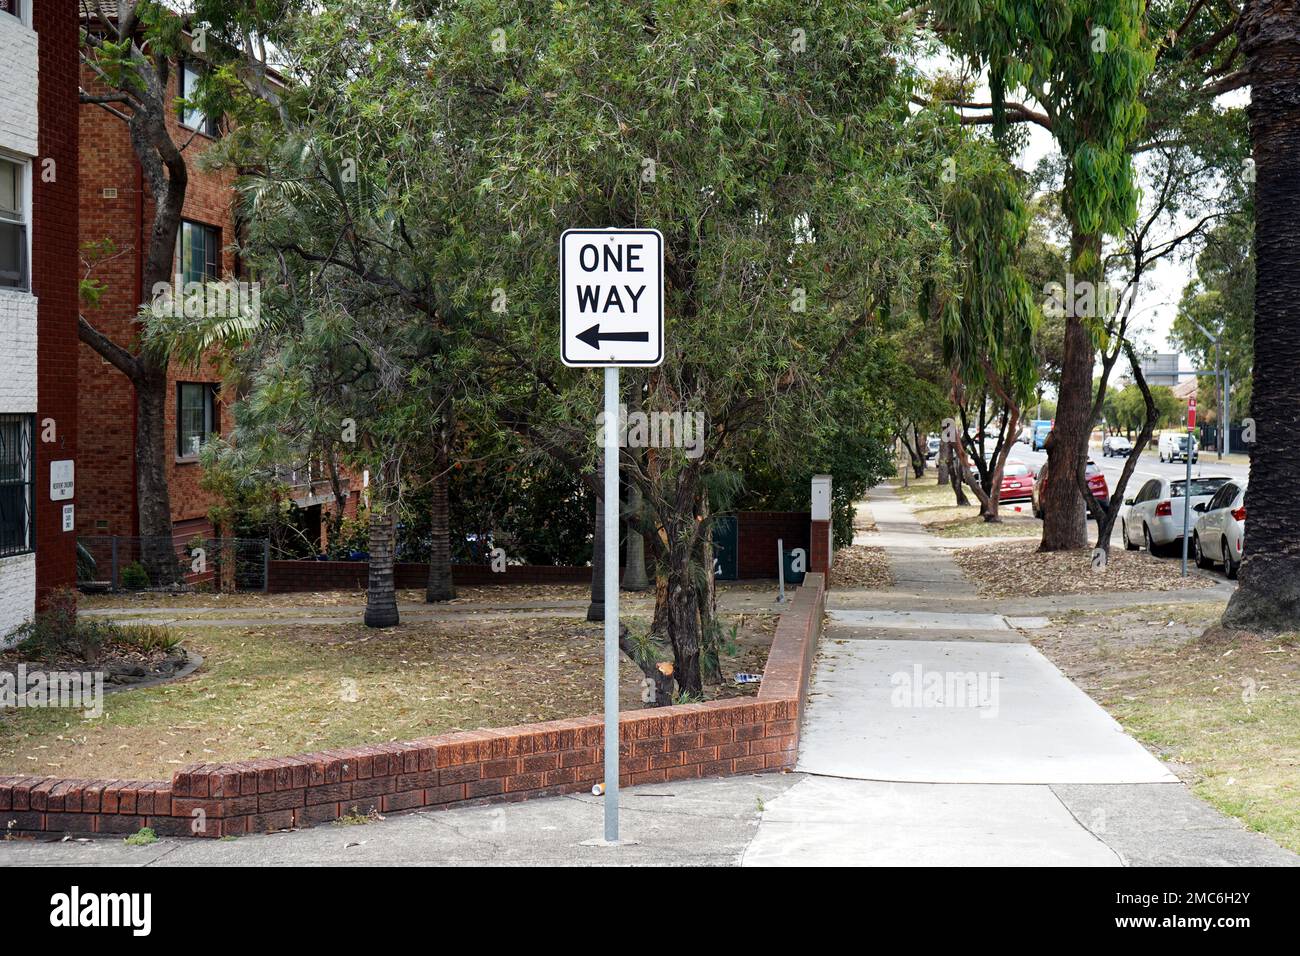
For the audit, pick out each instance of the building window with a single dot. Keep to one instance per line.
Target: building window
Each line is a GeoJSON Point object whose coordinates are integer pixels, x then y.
{"type": "Point", "coordinates": [13, 225]}
{"type": "Point", "coordinates": [12, 7]}
{"type": "Point", "coordinates": [187, 84]}
{"type": "Point", "coordinates": [196, 416]}
{"type": "Point", "coordinates": [17, 484]}
{"type": "Point", "coordinates": [198, 252]}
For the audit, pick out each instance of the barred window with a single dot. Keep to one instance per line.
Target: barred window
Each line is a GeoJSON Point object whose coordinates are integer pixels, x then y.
{"type": "Point", "coordinates": [17, 485]}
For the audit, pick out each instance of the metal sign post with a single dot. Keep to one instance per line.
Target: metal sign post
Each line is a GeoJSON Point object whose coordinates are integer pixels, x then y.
{"type": "Point", "coordinates": [611, 314]}
{"type": "Point", "coordinates": [1187, 488]}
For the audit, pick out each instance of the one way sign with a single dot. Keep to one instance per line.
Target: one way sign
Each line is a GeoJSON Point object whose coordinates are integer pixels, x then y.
{"type": "Point", "coordinates": [612, 297]}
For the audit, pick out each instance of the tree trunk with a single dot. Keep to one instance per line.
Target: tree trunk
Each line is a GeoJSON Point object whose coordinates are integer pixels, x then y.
{"type": "Point", "coordinates": [596, 609]}
{"type": "Point", "coordinates": [381, 595]}
{"type": "Point", "coordinates": [153, 503]}
{"type": "Point", "coordinates": [1268, 593]}
{"type": "Point", "coordinates": [440, 586]}
{"type": "Point", "coordinates": [954, 475]}
{"type": "Point", "coordinates": [634, 574]}
{"type": "Point", "coordinates": [707, 599]}
{"type": "Point", "coordinates": [683, 616]}
{"type": "Point", "coordinates": [1065, 526]}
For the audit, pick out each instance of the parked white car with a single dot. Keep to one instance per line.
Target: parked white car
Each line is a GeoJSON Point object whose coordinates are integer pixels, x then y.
{"type": "Point", "coordinates": [1153, 518]}
{"type": "Point", "coordinates": [1220, 536]}
{"type": "Point", "coordinates": [1173, 447]}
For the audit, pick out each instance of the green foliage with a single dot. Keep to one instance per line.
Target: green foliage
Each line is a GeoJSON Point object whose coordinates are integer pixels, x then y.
{"type": "Point", "coordinates": [55, 632]}
{"type": "Point", "coordinates": [142, 837]}
{"type": "Point", "coordinates": [134, 577]}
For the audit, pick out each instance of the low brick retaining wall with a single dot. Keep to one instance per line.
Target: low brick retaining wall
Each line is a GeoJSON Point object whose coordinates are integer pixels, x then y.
{"type": "Point", "coordinates": [511, 763]}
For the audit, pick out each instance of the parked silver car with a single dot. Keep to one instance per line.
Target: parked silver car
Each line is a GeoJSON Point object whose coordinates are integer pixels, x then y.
{"type": "Point", "coordinates": [1220, 535]}
{"type": "Point", "coordinates": [1154, 516]}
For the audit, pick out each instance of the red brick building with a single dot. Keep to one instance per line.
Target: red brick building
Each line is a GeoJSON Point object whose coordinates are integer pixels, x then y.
{"type": "Point", "coordinates": [38, 303]}
{"type": "Point", "coordinates": [115, 205]}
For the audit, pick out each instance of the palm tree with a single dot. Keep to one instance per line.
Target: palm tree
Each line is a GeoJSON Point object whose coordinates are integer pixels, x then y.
{"type": "Point", "coordinates": [1268, 597]}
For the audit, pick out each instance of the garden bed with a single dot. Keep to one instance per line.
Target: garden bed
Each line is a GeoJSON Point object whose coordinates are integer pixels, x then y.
{"type": "Point", "coordinates": [273, 690]}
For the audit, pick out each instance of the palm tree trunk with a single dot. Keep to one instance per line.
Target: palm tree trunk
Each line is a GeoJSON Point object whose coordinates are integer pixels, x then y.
{"type": "Point", "coordinates": [381, 595]}
{"type": "Point", "coordinates": [634, 575]}
{"type": "Point", "coordinates": [1268, 595]}
{"type": "Point", "coordinates": [596, 609]}
{"type": "Point", "coordinates": [440, 586]}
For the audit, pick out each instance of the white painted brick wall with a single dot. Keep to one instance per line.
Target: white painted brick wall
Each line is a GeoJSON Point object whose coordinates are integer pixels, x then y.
{"type": "Point", "coordinates": [17, 351]}
{"type": "Point", "coordinates": [17, 592]}
{"type": "Point", "coordinates": [18, 83]}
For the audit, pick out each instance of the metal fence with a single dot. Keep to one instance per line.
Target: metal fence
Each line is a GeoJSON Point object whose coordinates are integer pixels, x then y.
{"type": "Point", "coordinates": [117, 563]}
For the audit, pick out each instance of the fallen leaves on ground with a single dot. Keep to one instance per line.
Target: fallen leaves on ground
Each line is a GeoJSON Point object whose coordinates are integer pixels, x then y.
{"type": "Point", "coordinates": [1018, 569]}
{"type": "Point", "coordinates": [861, 567]}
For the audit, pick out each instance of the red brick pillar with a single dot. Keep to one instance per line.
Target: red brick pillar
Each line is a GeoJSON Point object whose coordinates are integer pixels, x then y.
{"type": "Point", "coordinates": [821, 553]}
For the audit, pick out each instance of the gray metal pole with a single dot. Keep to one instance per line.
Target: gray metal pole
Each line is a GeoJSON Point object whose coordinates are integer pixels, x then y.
{"type": "Point", "coordinates": [1218, 380]}
{"type": "Point", "coordinates": [1187, 497]}
{"type": "Point", "coordinates": [611, 603]}
{"type": "Point", "coordinates": [1227, 410]}
{"type": "Point", "coordinates": [780, 571]}
{"type": "Point", "coordinates": [266, 565]}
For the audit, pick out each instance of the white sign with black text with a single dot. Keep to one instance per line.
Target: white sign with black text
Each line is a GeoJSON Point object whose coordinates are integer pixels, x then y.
{"type": "Point", "coordinates": [612, 297]}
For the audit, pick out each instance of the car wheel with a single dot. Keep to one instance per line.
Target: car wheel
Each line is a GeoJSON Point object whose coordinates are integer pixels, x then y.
{"type": "Point", "coordinates": [1148, 541]}
{"type": "Point", "coordinates": [1230, 567]}
{"type": "Point", "coordinates": [1201, 560]}
{"type": "Point", "coordinates": [1123, 531]}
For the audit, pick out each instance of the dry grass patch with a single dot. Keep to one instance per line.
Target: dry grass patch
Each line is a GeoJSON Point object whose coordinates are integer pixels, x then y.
{"type": "Point", "coordinates": [1019, 570]}
{"type": "Point", "coordinates": [278, 690]}
{"type": "Point", "coordinates": [1223, 710]}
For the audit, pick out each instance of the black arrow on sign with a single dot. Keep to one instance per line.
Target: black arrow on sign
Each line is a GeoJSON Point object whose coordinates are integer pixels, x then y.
{"type": "Point", "coordinates": [593, 336]}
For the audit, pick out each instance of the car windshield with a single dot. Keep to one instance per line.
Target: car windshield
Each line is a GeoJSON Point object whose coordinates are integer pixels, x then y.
{"type": "Point", "coordinates": [1014, 471]}
{"type": "Point", "coordinates": [1200, 486]}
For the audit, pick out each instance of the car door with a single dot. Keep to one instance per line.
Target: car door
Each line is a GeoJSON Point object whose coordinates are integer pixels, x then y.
{"type": "Point", "coordinates": [1139, 512]}
{"type": "Point", "coordinates": [1213, 521]}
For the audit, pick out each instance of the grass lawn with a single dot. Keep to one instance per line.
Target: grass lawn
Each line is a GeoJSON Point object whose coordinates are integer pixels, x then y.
{"type": "Point", "coordinates": [932, 504]}
{"type": "Point", "coordinates": [1225, 713]}
{"type": "Point", "coordinates": [279, 690]}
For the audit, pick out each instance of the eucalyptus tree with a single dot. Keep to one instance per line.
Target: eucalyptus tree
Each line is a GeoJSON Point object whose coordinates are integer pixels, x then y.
{"type": "Point", "coordinates": [773, 146]}
{"type": "Point", "coordinates": [990, 320]}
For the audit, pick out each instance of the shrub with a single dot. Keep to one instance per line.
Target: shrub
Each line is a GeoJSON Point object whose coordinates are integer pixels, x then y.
{"type": "Point", "coordinates": [56, 632]}
{"type": "Point", "coordinates": [135, 577]}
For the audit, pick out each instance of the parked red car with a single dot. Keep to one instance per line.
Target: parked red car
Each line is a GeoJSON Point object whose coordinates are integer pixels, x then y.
{"type": "Point", "coordinates": [1017, 482]}
{"type": "Point", "coordinates": [1096, 484]}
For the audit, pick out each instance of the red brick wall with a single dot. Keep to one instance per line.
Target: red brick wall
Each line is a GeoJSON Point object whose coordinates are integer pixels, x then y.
{"type": "Point", "coordinates": [658, 745]}
{"type": "Point", "coordinates": [757, 533]}
{"type": "Point", "coordinates": [106, 486]}
{"type": "Point", "coordinates": [54, 281]}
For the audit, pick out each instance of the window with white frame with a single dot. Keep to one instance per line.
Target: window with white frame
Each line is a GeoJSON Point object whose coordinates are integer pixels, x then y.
{"type": "Point", "coordinates": [13, 225]}
{"type": "Point", "coordinates": [12, 7]}
{"type": "Point", "coordinates": [187, 83]}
